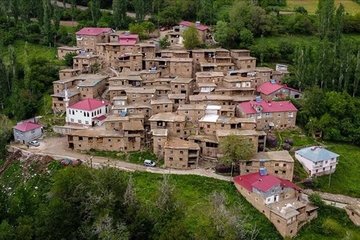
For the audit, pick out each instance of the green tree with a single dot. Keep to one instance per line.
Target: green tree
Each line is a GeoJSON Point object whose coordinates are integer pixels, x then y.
{"type": "Point", "coordinates": [191, 38]}
{"type": "Point", "coordinates": [246, 38]}
{"type": "Point", "coordinates": [206, 12]}
{"type": "Point", "coordinates": [94, 6]}
{"type": "Point", "coordinates": [69, 59]}
{"type": "Point", "coordinates": [235, 149]}
{"type": "Point", "coordinates": [119, 8]}
{"type": "Point", "coordinates": [15, 9]}
{"type": "Point", "coordinates": [6, 231]}
{"type": "Point", "coordinates": [164, 42]}
{"type": "Point", "coordinates": [46, 28]}
{"type": "Point", "coordinates": [139, 6]}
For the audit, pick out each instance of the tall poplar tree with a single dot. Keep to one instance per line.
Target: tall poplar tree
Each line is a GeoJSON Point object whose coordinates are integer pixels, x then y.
{"type": "Point", "coordinates": [95, 11]}
{"type": "Point", "coordinates": [139, 6]}
{"type": "Point", "coordinates": [119, 10]}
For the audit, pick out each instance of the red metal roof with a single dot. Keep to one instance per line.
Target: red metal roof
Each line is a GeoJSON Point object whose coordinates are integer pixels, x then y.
{"type": "Point", "coordinates": [267, 107]}
{"type": "Point", "coordinates": [200, 27]}
{"type": "Point", "coordinates": [129, 36]}
{"type": "Point", "coordinates": [262, 183]}
{"type": "Point", "coordinates": [101, 118]}
{"type": "Point", "coordinates": [92, 31]}
{"type": "Point", "coordinates": [268, 88]}
{"type": "Point", "coordinates": [88, 104]}
{"type": "Point", "coordinates": [27, 126]}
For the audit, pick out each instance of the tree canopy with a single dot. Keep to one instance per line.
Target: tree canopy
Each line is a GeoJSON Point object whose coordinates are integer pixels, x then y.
{"type": "Point", "coordinates": [236, 148]}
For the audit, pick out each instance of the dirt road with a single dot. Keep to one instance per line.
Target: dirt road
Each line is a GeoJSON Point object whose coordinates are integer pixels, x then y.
{"type": "Point", "coordinates": [56, 148]}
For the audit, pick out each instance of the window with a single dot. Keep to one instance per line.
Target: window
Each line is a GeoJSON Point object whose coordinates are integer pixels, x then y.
{"type": "Point", "coordinates": [276, 172]}
{"type": "Point", "coordinates": [284, 164]}
{"type": "Point", "coordinates": [180, 159]}
{"type": "Point", "coordinates": [181, 152]}
{"type": "Point", "coordinates": [284, 172]}
{"type": "Point", "coordinates": [276, 164]}
{"type": "Point", "coordinates": [80, 138]}
{"type": "Point", "coordinates": [170, 159]}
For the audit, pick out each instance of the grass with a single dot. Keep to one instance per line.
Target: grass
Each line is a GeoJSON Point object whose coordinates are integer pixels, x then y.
{"type": "Point", "coordinates": [350, 6]}
{"type": "Point", "coordinates": [345, 180]}
{"type": "Point", "coordinates": [33, 50]}
{"type": "Point", "coordinates": [317, 229]}
{"type": "Point", "coordinates": [133, 157]}
{"type": "Point", "coordinates": [193, 193]}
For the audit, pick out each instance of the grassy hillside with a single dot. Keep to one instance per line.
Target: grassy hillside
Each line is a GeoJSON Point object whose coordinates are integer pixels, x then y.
{"type": "Point", "coordinates": [351, 6]}
{"type": "Point", "coordinates": [346, 179]}
{"type": "Point", "coordinates": [32, 50]}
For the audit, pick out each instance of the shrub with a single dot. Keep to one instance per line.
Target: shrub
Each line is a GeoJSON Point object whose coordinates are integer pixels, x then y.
{"type": "Point", "coordinates": [315, 199]}
{"type": "Point", "coordinates": [333, 228]}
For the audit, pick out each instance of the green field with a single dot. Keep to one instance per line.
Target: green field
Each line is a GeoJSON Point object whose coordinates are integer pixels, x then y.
{"type": "Point", "coordinates": [346, 179]}
{"type": "Point", "coordinates": [351, 6]}
{"type": "Point", "coordinates": [31, 50]}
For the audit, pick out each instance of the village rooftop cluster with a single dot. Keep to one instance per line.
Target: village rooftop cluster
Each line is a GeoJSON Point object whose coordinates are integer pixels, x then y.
{"type": "Point", "coordinates": [126, 95]}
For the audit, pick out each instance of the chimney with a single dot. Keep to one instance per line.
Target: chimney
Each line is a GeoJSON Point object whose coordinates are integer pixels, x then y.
{"type": "Point", "coordinates": [197, 23]}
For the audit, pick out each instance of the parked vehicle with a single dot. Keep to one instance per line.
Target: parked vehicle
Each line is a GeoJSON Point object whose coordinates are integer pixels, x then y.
{"type": "Point", "coordinates": [149, 163]}
{"type": "Point", "coordinates": [34, 143]}
{"type": "Point", "coordinates": [70, 162]}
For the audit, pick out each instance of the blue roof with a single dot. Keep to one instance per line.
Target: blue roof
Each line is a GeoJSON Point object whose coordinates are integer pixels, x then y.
{"type": "Point", "coordinates": [316, 154]}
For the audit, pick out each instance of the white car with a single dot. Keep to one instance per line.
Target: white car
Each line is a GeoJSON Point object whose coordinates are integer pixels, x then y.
{"type": "Point", "coordinates": [149, 163]}
{"type": "Point", "coordinates": [34, 143]}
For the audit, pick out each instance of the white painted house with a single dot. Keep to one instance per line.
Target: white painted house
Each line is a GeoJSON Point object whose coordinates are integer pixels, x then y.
{"type": "Point", "coordinates": [88, 112]}
{"type": "Point", "coordinates": [317, 160]}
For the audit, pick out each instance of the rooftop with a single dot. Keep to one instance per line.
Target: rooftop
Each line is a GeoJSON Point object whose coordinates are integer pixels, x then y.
{"type": "Point", "coordinates": [283, 156]}
{"type": "Point", "coordinates": [262, 183]}
{"type": "Point", "coordinates": [209, 74]}
{"type": "Point", "coordinates": [93, 31]}
{"type": "Point", "coordinates": [238, 132]}
{"type": "Point", "coordinates": [200, 27]}
{"type": "Point", "coordinates": [177, 143]}
{"type": "Point", "coordinates": [159, 132]}
{"type": "Point", "coordinates": [253, 107]}
{"type": "Point", "coordinates": [89, 104]}
{"type": "Point", "coordinates": [316, 154]}
{"type": "Point", "coordinates": [27, 126]}
{"type": "Point", "coordinates": [167, 117]}
{"type": "Point", "coordinates": [268, 88]}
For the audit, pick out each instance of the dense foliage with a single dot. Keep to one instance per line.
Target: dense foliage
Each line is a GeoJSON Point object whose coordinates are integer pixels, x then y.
{"type": "Point", "coordinates": [83, 203]}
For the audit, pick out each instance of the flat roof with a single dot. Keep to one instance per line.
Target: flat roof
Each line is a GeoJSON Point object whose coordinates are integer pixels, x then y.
{"type": "Point", "coordinates": [209, 74]}
{"type": "Point", "coordinates": [177, 96]}
{"type": "Point", "coordinates": [205, 97]}
{"type": "Point", "coordinates": [182, 80]}
{"type": "Point", "coordinates": [184, 107]}
{"type": "Point", "coordinates": [140, 90]}
{"type": "Point", "coordinates": [274, 155]}
{"type": "Point", "coordinates": [163, 100]}
{"type": "Point", "coordinates": [71, 93]}
{"type": "Point", "coordinates": [69, 48]}
{"type": "Point", "coordinates": [238, 132]}
{"type": "Point", "coordinates": [177, 143]}
{"type": "Point", "coordinates": [167, 117]}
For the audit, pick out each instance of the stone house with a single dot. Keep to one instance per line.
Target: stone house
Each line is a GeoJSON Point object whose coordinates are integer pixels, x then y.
{"type": "Point", "coordinates": [181, 67]}
{"type": "Point", "coordinates": [202, 29]}
{"type": "Point", "coordinates": [63, 51]}
{"type": "Point", "coordinates": [317, 160]}
{"type": "Point", "coordinates": [88, 37]}
{"type": "Point", "coordinates": [192, 112]}
{"type": "Point", "coordinates": [27, 131]}
{"type": "Point", "coordinates": [162, 104]}
{"type": "Point", "coordinates": [174, 123]}
{"type": "Point", "coordinates": [210, 123]}
{"type": "Point", "coordinates": [63, 99]}
{"type": "Point", "coordinates": [159, 137]}
{"type": "Point", "coordinates": [277, 163]}
{"type": "Point", "coordinates": [181, 154]}
{"type": "Point", "coordinates": [177, 99]}
{"type": "Point", "coordinates": [211, 99]}
{"type": "Point", "coordinates": [68, 73]}
{"type": "Point", "coordinates": [143, 110]}
{"type": "Point", "coordinates": [263, 74]}
{"type": "Point", "coordinates": [278, 199]}
{"type": "Point", "coordinates": [245, 62]}
{"type": "Point", "coordinates": [258, 138]}
{"type": "Point", "coordinates": [88, 112]}
{"type": "Point", "coordinates": [181, 85]}
{"type": "Point", "coordinates": [102, 140]}
{"type": "Point", "coordinates": [148, 50]}
{"type": "Point", "coordinates": [169, 53]}
{"type": "Point", "coordinates": [93, 86]}
{"type": "Point", "coordinates": [209, 77]}
{"type": "Point", "coordinates": [269, 115]}
{"type": "Point", "coordinates": [128, 61]}
{"type": "Point", "coordinates": [273, 91]}
{"type": "Point", "coordinates": [140, 95]}
{"type": "Point", "coordinates": [216, 67]}
{"type": "Point", "coordinates": [85, 61]}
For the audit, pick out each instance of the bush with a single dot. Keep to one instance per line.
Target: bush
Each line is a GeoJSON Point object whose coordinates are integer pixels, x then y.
{"type": "Point", "coordinates": [315, 199]}
{"type": "Point", "coordinates": [332, 228]}
{"type": "Point", "coordinates": [271, 141]}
